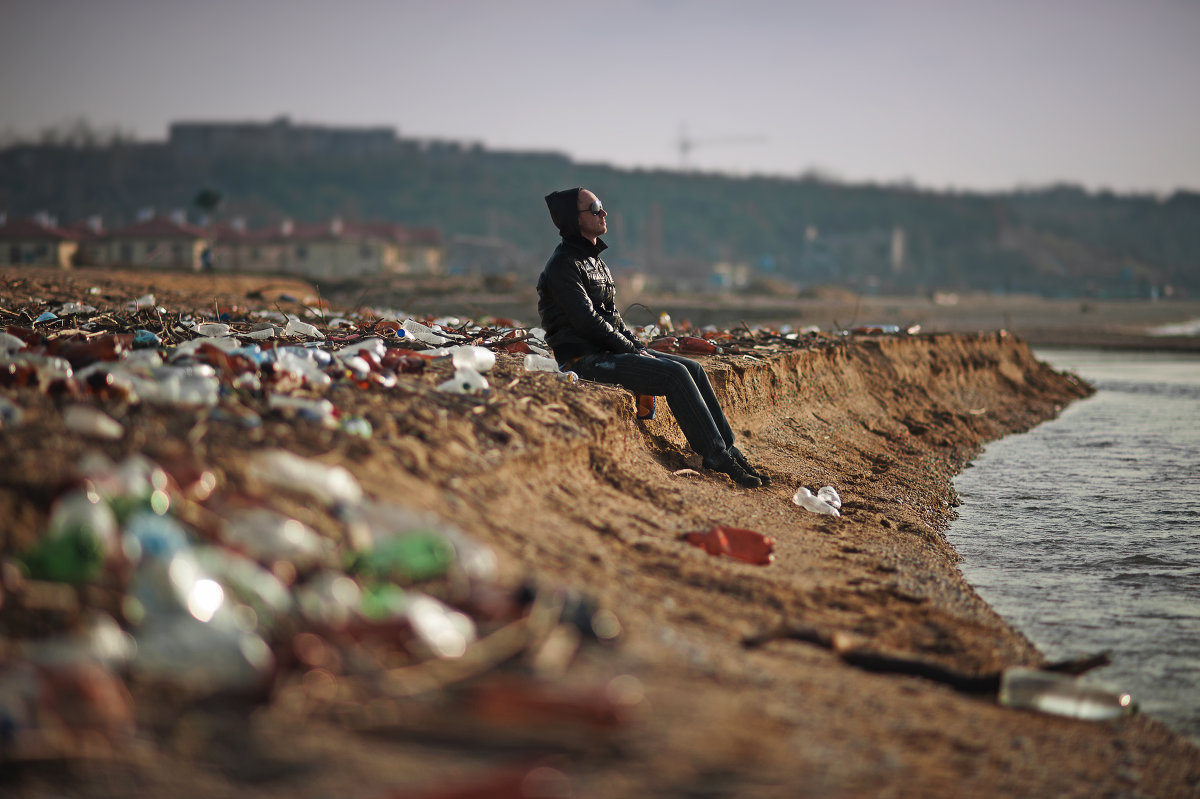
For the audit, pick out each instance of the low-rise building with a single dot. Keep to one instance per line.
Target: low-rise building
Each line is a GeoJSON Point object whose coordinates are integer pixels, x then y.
{"type": "Point", "coordinates": [36, 242]}
{"type": "Point", "coordinates": [334, 249]}
{"type": "Point", "coordinates": [158, 242]}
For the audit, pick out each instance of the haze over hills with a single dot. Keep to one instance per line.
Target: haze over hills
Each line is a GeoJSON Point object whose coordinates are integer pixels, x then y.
{"type": "Point", "coordinates": [678, 225]}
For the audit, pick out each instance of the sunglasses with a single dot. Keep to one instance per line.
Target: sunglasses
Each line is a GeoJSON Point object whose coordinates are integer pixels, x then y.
{"type": "Point", "coordinates": [596, 208]}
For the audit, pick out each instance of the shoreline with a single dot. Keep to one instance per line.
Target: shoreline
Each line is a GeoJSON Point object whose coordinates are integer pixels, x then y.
{"type": "Point", "coordinates": [564, 484]}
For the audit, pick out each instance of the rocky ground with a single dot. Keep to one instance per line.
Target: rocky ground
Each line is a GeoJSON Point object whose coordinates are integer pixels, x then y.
{"type": "Point", "coordinates": [612, 658]}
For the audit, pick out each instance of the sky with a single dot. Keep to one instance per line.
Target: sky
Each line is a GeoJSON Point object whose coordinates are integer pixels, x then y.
{"type": "Point", "coordinates": [968, 95]}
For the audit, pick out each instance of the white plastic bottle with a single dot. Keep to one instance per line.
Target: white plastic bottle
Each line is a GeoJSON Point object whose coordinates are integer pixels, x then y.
{"type": "Point", "coordinates": [1062, 695]}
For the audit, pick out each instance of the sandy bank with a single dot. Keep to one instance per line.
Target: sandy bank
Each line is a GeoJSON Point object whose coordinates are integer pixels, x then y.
{"type": "Point", "coordinates": [566, 486]}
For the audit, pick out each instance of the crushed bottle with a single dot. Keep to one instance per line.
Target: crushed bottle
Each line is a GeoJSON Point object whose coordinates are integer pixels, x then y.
{"type": "Point", "coordinates": [830, 495]}
{"type": "Point", "coordinates": [810, 502]}
{"type": "Point", "coordinates": [465, 381]}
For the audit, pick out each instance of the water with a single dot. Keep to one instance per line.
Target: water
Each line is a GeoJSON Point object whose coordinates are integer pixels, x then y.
{"type": "Point", "coordinates": [1084, 533]}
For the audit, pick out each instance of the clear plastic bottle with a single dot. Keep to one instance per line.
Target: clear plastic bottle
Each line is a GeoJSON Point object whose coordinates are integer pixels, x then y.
{"type": "Point", "coordinates": [296, 327]}
{"type": "Point", "coordinates": [540, 363]}
{"type": "Point", "coordinates": [424, 334]}
{"type": "Point", "coordinates": [1062, 695]}
{"type": "Point", "coordinates": [481, 359]}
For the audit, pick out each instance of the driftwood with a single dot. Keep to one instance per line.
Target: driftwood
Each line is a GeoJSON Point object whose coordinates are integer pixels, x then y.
{"type": "Point", "coordinates": [880, 663]}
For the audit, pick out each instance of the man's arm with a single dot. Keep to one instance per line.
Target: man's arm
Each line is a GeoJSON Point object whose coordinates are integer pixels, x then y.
{"type": "Point", "coordinates": [566, 286]}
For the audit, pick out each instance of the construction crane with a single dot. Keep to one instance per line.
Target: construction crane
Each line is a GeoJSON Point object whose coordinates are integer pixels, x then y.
{"type": "Point", "coordinates": [686, 143]}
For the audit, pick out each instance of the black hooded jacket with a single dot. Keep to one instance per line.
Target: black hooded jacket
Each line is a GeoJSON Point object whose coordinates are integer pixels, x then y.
{"type": "Point", "coordinates": [576, 293]}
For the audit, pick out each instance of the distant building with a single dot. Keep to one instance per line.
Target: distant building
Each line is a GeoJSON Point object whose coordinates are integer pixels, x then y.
{"type": "Point", "coordinates": [31, 242]}
{"type": "Point", "coordinates": [334, 249]}
{"type": "Point", "coordinates": [158, 242]}
{"type": "Point", "coordinates": [279, 137]}
{"type": "Point", "coordinates": [480, 255]}
{"type": "Point", "coordinates": [236, 249]}
{"type": "Point", "coordinates": [92, 241]}
{"type": "Point", "coordinates": [328, 250]}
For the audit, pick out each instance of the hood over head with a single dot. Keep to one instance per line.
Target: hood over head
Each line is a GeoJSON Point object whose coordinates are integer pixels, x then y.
{"type": "Point", "coordinates": [564, 210]}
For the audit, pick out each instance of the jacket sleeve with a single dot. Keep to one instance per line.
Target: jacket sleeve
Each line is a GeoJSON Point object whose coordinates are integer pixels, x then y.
{"type": "Point", "coordinates": [566, 284]}
{"type": "Point", "coordinates": [624, 330]}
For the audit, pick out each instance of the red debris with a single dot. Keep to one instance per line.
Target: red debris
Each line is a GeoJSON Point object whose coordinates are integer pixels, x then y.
{"type": "Point", "coordinates": [685, 345]}
{"type": "Point", "coordinates": [736, 542]}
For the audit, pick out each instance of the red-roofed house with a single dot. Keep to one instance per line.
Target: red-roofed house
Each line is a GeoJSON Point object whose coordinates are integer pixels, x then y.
{"type": "Point", "coordinates": [158, 241]}
{"type": "Point", "coordinates": [36, 241]}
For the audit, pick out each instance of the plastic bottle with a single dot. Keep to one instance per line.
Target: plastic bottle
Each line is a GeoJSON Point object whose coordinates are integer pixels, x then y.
{"type": "Point", "coordinates": [830, 495]}
{"type": "Point", "coordinates": [81, 534]}
{"type": "Point", "coordinates": [295, 327]}
{"type": "Point", "coordinates": [805, 499]}
{"type": "Point", "coordinates": [540, 363]}
{"type": "Point", "coordinates": [212, 329]}
{"type": "Point", "coordinates": [481, 359]}
{"type": "Point", "coordinates": [10, 343]}
{"type": "Point", "coordinates": [329, 484]}
{"type": "Point", "coordinates": [267, 536]}
{"type": "Point", "coordinates": [262, 330]}
{"type": "Point", "coordinates": [424, 334]}
{"type": "Point", "coordinates": [93, 422]}
{"type": "Point", "coordinates": [410, 556]}
{"type": "Point", "coordinates": [145, 338]}
{"type": "Point", "coordinates": [465, 381]}
{"type": "Point", "coordinates": [1062, 695]}
{"type": "Point", "coordinates": [246, 581]}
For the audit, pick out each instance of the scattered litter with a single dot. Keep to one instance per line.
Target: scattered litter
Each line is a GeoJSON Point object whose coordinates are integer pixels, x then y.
{"type": "Point", "coordinates": [465, 381]}
{"type": "Point", "coordinates": [815, 503]}
{"type": "Point", "coordinates": [480, 359]}
{"type": "Point", "coordinates": [213, 329]}
{"type": "Point", "coordinates": [1062, 695]}
{"type": "Point", "coordinates": [92, 422]}
{"type": "Point", "coordinates": [830, 495]}
{"type": "Point", "coordinates": [736, 542]}
{"type": "Point", "coordinates": [540, 363]}
{"type": "Point", "coordinates": [328, 484]}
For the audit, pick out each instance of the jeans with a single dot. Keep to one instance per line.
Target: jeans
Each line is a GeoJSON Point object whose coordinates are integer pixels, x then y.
{"type": "Point", "coordinates": [681, 380]}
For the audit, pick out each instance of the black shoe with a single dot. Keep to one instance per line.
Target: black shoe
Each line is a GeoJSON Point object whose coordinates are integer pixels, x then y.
{"type": "Point", "coordinates": [729, 466]}
{"type": "Point", "coordinates": [740, 459]}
